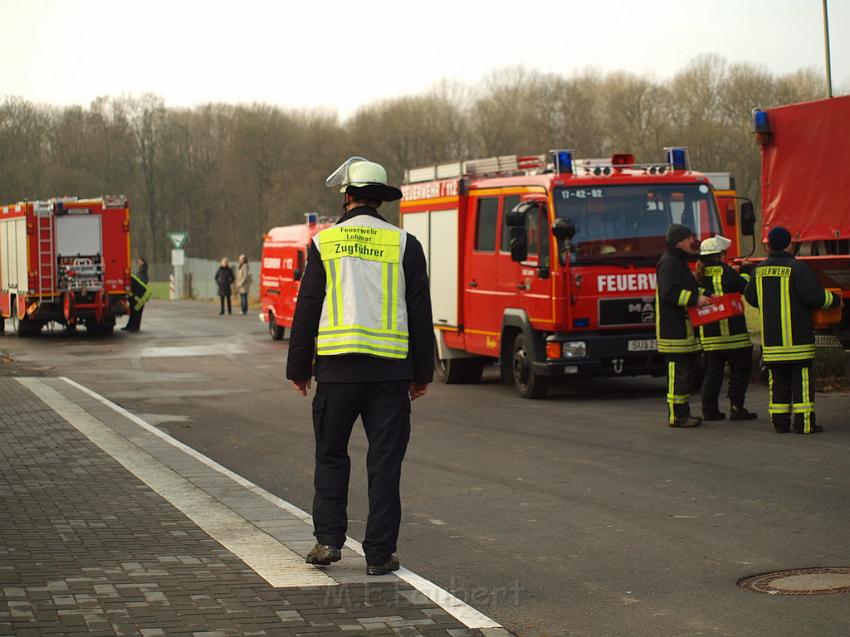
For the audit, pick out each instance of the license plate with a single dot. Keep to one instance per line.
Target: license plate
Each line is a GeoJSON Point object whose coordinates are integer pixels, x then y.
{"type": "Point", "coordinates": [643, 345]}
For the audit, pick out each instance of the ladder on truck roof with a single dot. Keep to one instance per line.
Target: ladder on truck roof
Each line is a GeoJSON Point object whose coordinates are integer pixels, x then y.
{"type": "Point", "coordinates": [506, 165]}
{"type": "Point", "coordinates": [46, 276]}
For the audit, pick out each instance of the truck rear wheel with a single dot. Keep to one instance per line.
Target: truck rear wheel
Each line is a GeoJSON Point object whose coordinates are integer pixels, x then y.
{"type": "Point", "coordinates": [453, 371]}
{"type": "Point", "coordinates": [28, 327]}
{"type": "Point", "coordinates": [528, 383]}
{"type": "Point", "coordinates": [100, 328]}
{"type": "Point", "coordinates": [277, 331]}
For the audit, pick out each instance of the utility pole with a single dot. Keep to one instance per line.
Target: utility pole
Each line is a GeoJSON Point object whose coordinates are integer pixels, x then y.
{"type": "Point", "coordinates": [826, 44]}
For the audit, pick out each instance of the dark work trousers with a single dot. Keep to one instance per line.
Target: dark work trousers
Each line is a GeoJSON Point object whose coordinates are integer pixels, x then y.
{"type": "Point", "coordinates": [222, 298]}
{"type": "Point", "coordinates": [740, 362]}
{"type": "Point", "coordinates": [384, 408]}
{"type": "Point", "coordinates": [135, 320]}
{"type": "Point", "coordinates": [681, 369]}
{"type": "Point", "coordinates": [792, 392]}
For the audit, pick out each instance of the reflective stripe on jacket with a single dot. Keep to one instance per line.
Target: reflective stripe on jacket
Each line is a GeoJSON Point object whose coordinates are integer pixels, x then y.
{"type": "Point", "coordinates": [365, 308]}
{"type": "Point", "coordinates": [786, 291]}
{"type": "Point", "coordinates": [676, 290]}
{"type": "Point", "coordinates": [140, 293]}
{"type": "Point", "coordinates": [728, 333]}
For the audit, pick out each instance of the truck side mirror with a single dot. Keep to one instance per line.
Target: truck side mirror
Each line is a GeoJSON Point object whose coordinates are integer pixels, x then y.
{"type": "Point", "coordinates": [297, 273]}
{"type": "Point", "coordinates": [748, 219]}
{"type": "Point", "coordinates": [519, 243]}
{"type": "Point", "coordinates": [516, 217]}
{"type": "Point", "coordinates": [564, 230]}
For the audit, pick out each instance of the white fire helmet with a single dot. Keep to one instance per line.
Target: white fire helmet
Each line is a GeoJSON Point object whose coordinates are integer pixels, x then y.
{"type": "Point", "coordinates": [364, 177]}
{"type": "Point", "coordinates": [714, 245]}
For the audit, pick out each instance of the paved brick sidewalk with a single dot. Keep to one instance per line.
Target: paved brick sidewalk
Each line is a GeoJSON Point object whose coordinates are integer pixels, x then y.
{"type": "Point", "coordinates": [87, 548]}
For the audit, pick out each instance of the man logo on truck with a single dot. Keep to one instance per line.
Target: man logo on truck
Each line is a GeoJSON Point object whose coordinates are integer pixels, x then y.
{"type": "Point", "coordinates": [646, 311]}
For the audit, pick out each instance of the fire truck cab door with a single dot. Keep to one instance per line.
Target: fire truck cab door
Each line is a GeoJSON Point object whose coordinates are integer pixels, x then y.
{"type": "Point", "coordinates": [483, 301]}
{"type": "Point", "coordinates": [535, 273]}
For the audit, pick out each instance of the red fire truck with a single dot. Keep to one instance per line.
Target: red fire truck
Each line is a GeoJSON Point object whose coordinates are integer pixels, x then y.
{"type": "Point", "coordinates": [64, 260]}
{"type": "Point", "coordinates": [283, 260]}
{"type": "Point", "coordinates": [805, 187]}
{"type": "Point", "coordinates": [547, 265]}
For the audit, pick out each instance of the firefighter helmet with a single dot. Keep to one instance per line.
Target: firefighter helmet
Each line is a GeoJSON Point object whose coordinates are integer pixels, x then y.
{"type": "Point", "coordinates": [714, 245]}
{"type": "Point", "coordinates": [359, 176]}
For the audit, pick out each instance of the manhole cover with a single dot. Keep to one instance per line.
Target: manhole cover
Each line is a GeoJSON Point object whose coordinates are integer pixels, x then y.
{"type": "Point", "coordinates": [800, 581]}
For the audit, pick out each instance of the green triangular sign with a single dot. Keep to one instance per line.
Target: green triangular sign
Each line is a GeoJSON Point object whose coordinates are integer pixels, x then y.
{"type": "Point", "coordinates": [178, 239]}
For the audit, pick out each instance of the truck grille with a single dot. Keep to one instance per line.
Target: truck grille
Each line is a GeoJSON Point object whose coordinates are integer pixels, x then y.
{"type": "Point", "coordinates": [631, 311]}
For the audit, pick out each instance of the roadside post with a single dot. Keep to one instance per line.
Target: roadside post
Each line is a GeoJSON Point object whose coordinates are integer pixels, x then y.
{"type": "Point", "coordinates": [178, 260]}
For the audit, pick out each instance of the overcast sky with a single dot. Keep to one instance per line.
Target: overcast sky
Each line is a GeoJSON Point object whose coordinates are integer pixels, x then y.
{"type": "Point", "coordinates": [340, 55]}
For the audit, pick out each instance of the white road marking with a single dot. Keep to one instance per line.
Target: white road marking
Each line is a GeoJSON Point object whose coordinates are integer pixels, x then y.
{"type": "Point", "coordinates": [271, 560]}
{"type": "Point", "coordinates": [222, 349]}
{"type": "Point", "coordinates": [459, 609]}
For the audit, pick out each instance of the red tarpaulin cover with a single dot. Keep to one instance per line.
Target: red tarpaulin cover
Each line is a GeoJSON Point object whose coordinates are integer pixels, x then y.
{"type": "Point", "coordinates": [806, 170]}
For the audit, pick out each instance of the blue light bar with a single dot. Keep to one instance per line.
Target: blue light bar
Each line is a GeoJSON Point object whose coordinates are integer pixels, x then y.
{"type": "Point", "coordinates": [563, 161]}
{"type": "Point", "coordinates": [312, 218]}
{"type": "Point", "coordinates": [677, 156]}
{"type": "Point", "coordinates": [761, 123]}
{"type": "Point", "coordinates": [581, 322]}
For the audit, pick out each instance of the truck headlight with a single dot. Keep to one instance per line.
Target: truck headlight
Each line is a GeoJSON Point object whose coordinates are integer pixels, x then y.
{"type": "Point", "coordinates": [574, 349]}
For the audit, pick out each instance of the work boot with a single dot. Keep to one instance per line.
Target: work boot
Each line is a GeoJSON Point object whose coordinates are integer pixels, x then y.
{"type": "Point", "coordinates": [815, 429]}
{"type": "Point", "coordinates": [384, 568]}
{"type": "Point", "coordinates": [712, 414]}
{"type": "Point", "coordinates": [781, 426]}
{"type": "Point", "coordinates": [690, 421]}
{"type": "Point", "coordinates": [323, 555]}
{"type": "Point", "coordinates": [741, 413]}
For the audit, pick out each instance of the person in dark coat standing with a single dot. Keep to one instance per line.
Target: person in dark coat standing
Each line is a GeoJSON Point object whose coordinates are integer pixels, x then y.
{"type": "Point", "coordinates": [676, 291]}
{"type": "Point", "coordinates": [785, 291]}
{"type": "Point", "coordinates": [138, 296]}
{"type": "Point", "coordinates": [364, 309]}
{"type": "Point", "coordinates": [224, 278]}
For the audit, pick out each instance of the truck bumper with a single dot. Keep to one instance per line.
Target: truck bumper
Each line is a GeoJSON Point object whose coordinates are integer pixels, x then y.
{"type": "Point", "coordinates": [606, 355]}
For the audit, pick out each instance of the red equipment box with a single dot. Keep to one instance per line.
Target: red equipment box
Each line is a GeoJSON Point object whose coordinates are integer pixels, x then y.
{"type": "Point", "coordinates": [722, 307]}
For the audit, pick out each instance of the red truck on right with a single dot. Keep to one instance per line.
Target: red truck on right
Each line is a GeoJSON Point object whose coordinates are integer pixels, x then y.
{"type": "Point", "coordinates": [805, 187]}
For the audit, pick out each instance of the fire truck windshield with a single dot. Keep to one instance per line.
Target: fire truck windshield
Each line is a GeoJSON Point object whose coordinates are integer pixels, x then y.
{"type": "Point", "coordinates": [618, 223]}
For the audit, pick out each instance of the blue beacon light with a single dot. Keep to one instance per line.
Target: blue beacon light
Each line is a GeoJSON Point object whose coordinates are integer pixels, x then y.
{"type": "Point", "coordinates": [760, 122]}
{"type": "Point", "coordinates": [677, 157]}
{"type": "Point", "coordinates": [563, 162]}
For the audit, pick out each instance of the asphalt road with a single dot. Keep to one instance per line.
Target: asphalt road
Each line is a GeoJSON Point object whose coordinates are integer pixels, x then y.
{"type": "Point", "coordinates": [582, 514]}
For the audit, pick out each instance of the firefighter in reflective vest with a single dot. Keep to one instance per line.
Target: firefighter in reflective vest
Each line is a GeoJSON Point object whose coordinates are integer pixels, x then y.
{"type": "Point", "coordinates": [140, 293]}
{"type": "Point", "coordinates": [676, 290]}
{"type": "Point", "coordinates": [364, 310]}
{"type": "Point", "coordinates": [724, 341]}
{"type": "Point", "coordinates": [786, 291]}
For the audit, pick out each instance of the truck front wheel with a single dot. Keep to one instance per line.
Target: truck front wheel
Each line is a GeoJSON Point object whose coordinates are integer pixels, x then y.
{"type": "Point", "coordinates": [277, 331]}
{"type": "Point", "coordinates": [528, 383]}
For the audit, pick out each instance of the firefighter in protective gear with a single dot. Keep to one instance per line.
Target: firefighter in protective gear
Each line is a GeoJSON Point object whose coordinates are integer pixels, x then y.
{"type": "Point", "coordinates": [140, 293]}
{"type": "Point", "coordinates": [676, 290]}
{"type": "Point", "coordinates": [364, 310]}
{"type": "Point", "coordinates": [786, 291]}
{"type": "Point", "coordinates": [724, 341]}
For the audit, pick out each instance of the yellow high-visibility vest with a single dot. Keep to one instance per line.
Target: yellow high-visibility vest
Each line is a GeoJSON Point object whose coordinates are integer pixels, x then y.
{"type": "Point", "coordinates": [365, 307]}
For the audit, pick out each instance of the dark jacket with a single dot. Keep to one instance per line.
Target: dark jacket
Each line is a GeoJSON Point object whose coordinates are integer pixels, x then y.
{"type": "Point", "coordinates": [731, 333]}
{"type": "Point", "coordinates": [224, 277]}
{"type": "Point", "coordinates": [350, 368]}
{"type": "Point", "coordinates": [142, 272]}
{"type": "Point", "coordinates": [676, 290]}
{"type": "Point", "coordinates": [786, 291]}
